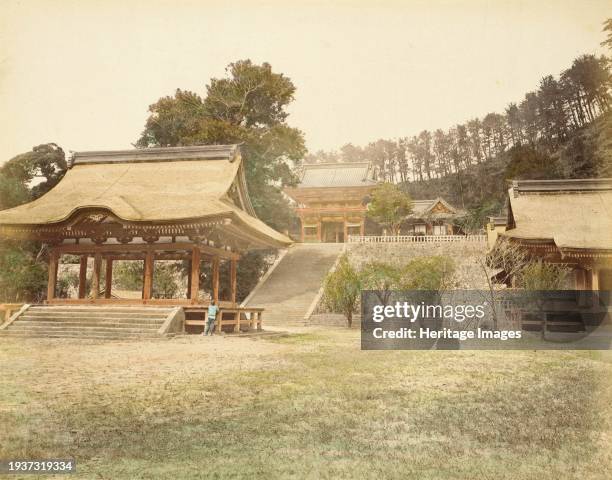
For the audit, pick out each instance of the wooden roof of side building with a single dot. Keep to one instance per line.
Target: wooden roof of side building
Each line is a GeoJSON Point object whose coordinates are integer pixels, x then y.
{"type": "Point", "coordinates": [151, 185]}
{"type": "Point", "coordinates": [436, 208]}
{"type": "Point", "coordinates": [572, 214]}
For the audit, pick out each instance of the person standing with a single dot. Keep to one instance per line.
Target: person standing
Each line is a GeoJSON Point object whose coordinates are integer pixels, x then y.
{"type": "Point", "coordinates": [211, 318]}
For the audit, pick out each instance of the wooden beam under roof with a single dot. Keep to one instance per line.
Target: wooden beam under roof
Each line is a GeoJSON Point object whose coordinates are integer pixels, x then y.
{"type": "Point", "coordinates": [142, 247]}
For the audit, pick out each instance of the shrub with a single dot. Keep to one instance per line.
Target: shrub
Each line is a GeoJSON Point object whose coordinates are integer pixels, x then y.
{"type": "Point", "coordinates": [538, 275]}
{"type": "Point", "coordinates": [428, 273]}
{"type": "Point", "coordinates": [342, 289]}
{"type": "Point", "coordinates": [382, 278]}
{"type": "Point", "coordinates": [22, 277]}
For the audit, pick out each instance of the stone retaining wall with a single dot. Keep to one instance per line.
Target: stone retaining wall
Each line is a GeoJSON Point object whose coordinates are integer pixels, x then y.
{"type": "Point", "coordinates": [468, 273]}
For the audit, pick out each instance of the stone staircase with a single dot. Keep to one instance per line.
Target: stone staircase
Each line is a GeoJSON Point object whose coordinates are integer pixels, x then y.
{"type": "Point", "coordinates": [288, 292]}
{"type": "Point", "coordinates": [92, 322]}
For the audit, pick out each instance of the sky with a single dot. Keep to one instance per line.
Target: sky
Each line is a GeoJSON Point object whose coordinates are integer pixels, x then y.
{"type": "Point", "coordinates": [83, 73]}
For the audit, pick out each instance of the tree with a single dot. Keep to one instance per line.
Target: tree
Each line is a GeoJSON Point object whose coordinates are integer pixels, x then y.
{"type": "Point", "coordinates": [579, 158]}
{"type": "Point", "coordinates": [250, 268]}
{"type": "Point", "coordinates": [433, 273]}
{"type": "Point", "coordinates": [128, 275]}
{"type": "Point", "coordinates": [389, 206]}
{"type": "Point", "coordinates": [342, 289]}
{"type": "Point", "coordinates": [24, 178]}
{"type": "Point", "coordinates": [547, 120]}
{"type": "Point", "coordinates": [527, 163]}
{"type": "Point", "coordinates": [551, 112]}
{"type": "Point", "coordinates": [23, 277]}
{"type": "Point", "coordinates": [351, 153]}
{"type": "Point", "coordinates": [382, 278]}
{"type": "Point", "coordinates": [515, 123]}
{"type": "Point", "coordinates": [476, 217]}
{"type": "Point", "coordinates": [500, 267]}
{"type": "Point", "coordinates": [608, 31]}
{"type": "Point", "coordinates": [249, 107]}
{"type": "Point", "coordinates": [29, 175]}
{"type": "Point", "coordinates": [173, 120]}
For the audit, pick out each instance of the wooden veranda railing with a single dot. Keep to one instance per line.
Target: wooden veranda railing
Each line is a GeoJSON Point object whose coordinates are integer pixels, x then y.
{"type": "Point", "coordinates": [416, 238]}
{"type": "Point", "coordinates": [235, 317]}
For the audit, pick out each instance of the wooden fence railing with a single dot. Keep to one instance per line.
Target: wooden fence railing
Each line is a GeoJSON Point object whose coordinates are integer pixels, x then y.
{"type": "Point", "coordinates": [235, 317]}
{"type": "Point", "coordinates": [416, 238]}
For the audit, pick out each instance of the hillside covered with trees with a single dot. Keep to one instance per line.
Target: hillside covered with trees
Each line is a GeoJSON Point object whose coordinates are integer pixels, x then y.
{"type": "Point", "coordinates": [563, 129]}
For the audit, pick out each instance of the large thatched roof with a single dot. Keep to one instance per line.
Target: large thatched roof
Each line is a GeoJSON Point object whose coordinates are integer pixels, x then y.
{"type": "Point", "coordinates": [151, 185]}
{"type": "Point", "coordinates": [574, 214]}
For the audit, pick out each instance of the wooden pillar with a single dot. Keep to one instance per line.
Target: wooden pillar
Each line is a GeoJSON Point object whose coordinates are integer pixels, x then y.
{"type": "Point", "coordinates": [108, 278]}
{"type": "Point", "coordinates": [581, 285]}
{"type": "Point", "coordinates": [95, 279]}
{"type": "Point", "coordinates": [215, 279]}
{"type": "Point", "coordinates": [189, 280]}
{"type": "Point", "coordinates": [319, 228]}
{"type": "Point", "coordinates": [362, 228]}
{"type": "Point", "coordinates": [595, 281]}
{"type": "Point", "coordinates": [345, 231]}
{"type": "Point", "coordinates": [194, 275]}
{"type": "Point", "coordinates": [579, 279]}
{"type": "Point", "coordinates": [83, 276]}
{"type": "Point", "coordinates": [147, 289]}
{"type": "Point", "coordinates": [233, 280]}
{"type": "Point", "coordinates": [595, 286]}
{"type": "Point", "coordinates": [52, 280]}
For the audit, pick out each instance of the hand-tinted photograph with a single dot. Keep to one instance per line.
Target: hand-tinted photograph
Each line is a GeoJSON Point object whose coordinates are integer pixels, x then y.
{"type": "Point", "coordinates": [296, 240]}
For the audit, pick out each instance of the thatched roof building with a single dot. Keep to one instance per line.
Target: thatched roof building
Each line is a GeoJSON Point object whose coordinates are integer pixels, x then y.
{"type": "Point", "coordinates": [182, 186]}
{"type": "Point", "coordinates": [149, 204]}
{"type": "Point", "coordinates": [573, 216]}
{"type": "Point", "coordinates": [565, 221]}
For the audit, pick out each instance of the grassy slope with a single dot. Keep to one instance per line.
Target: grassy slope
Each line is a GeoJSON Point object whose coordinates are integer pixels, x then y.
{"type": "Point", "coordinates": [314, 406]}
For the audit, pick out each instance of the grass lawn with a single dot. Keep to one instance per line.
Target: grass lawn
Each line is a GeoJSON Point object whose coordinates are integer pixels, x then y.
{"type": "Point", "coordinates": [310, 405]}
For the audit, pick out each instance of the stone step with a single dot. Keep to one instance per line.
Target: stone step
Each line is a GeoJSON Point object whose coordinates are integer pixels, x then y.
{"type": "Point", "coordinates": [82, 335]}
{"type": "Point", "coordinates": [96, 322]}
{"type": "Point", "coordinates": [50, 311]}
{"type": "Point", "coordinates": [287, 294]}
{"type": "Point", "coordinates": [60, 319]}
{"type": "Point", "coordinates": [94, 329]}
{"type": "Point", "coordinates": [72, 329]}
{"type": "Point", "coordinates": [24, 324]}
{"type": "Point", "coordinates": [108, 314]}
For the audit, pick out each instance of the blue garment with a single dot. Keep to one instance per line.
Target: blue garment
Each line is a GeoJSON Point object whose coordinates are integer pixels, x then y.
{"type": "Point", "coordinates": [210, 320]}
{"type": "Point", "coordinates": [212, 312]}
